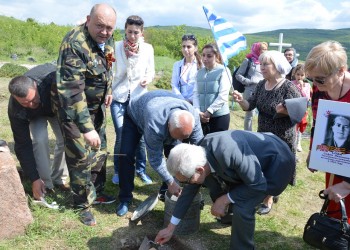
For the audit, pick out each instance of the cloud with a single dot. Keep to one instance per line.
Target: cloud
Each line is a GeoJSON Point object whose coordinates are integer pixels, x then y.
{"type": "Point", "coordinates": [248, 16]}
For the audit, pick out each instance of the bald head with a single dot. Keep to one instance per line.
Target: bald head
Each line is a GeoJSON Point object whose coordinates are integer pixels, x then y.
{"type": "Point", "coordinates": [101, 22]}
{"type": "Point", "coordinates": [181, 124]}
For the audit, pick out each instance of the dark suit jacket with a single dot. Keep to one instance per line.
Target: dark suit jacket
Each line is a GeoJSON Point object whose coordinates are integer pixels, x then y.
{"type": "Point", "coordinates": [260, 161]}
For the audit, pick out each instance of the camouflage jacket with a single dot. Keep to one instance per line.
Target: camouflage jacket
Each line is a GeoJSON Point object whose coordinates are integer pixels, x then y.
{"type": "Point", "coordinates": [83, 77]}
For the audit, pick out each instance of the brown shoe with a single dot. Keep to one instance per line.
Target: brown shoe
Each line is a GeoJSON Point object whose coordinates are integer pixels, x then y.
{"type": "Point", "coordinates": [63, 187]}
{"type": "Point", "coordinates": [87, 218]}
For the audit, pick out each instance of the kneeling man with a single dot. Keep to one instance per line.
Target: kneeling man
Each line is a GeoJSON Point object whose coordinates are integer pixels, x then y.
{"type": "Point", "coordinates": [239, 168]}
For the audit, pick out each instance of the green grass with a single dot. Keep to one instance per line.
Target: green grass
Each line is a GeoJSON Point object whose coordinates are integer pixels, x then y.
{"type": "Point", "coordinates": [51, 229]}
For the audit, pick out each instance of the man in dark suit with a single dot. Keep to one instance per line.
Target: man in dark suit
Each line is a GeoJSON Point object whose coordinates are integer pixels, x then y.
{"type": "Point", "coordinates": [239, 168]}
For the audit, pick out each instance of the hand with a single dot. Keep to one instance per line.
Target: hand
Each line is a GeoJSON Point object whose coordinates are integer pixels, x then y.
{"type": "Point", "coordinates": [237, 97]}
{"type": "Point", "coordinates": [308, 163]}
{"type": "Point", "coordinates": [280, 109]}
{"type": "Point", "coordinates": [92, 139]}
{"type": "Point", "coordinates": [338, 191]}
{"type": "Point", "coordinates": [165, 235]}
{"type": "Point", "coordinates": [38, 189]}
{"type": "Point", "coordinates": [174, 188]}
{"type": "Point", "coordinates": [143, 83]}
{"type": "Point", "coordinates": [219, 207]}
{"type": "Point", "coordinates": [108, 100]}
{"type": "Point", "coordinates": [203, 117]}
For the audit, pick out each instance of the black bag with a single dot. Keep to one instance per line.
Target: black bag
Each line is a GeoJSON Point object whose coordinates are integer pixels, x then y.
{"type": "Point", "coordinates": [237, 85]}
{"type": "Point", "coordinates": [324, 232]}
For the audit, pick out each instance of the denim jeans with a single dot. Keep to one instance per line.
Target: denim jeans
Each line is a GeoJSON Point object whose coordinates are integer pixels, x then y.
{"type": "Point", "coordinates": [118, 110]}
{"type": "Point", "coordinates": [130, 139]}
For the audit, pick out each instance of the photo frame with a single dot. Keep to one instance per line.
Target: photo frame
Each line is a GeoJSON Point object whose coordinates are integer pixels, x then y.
{"type": "Point", "coordinates": [330, 150]}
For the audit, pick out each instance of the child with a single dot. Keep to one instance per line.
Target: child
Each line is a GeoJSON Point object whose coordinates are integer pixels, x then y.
{"type": "Point", "coordinates": [305, 89]}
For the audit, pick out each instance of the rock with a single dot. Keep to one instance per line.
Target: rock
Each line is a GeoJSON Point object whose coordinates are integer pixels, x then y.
{"type": "Point", "coordinates": [31, 59]}
{"type": "Point", "coordinates": [15, 215]}
{"type": "Point", "coordinates": [14, 56]}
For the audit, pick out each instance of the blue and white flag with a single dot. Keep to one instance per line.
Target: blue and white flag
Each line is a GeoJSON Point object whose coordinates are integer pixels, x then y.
{"type": "Point", "coordinates": [230, 42]}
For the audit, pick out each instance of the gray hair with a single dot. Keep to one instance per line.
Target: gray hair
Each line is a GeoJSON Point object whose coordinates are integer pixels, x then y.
{"type": "Point", "coordinates": [185, 158]}
{"type": "Point", "coordinates": [20, 85]}
{"type": "Point", "coordinates": [178, 119]}
{"type": "Point", "coordinates": [278, 59]}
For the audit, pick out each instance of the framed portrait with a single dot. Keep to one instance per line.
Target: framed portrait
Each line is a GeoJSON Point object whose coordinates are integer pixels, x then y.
{"type": "Point", "coordinates": [330, 150]}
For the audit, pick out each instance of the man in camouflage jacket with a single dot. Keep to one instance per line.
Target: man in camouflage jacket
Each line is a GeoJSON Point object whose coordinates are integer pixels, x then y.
{"type": "Point", "coordinates": [81, 96]}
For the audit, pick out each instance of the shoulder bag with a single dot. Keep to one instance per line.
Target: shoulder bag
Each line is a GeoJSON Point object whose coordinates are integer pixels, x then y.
{"type": "Point", "coordinates": [325, 232]}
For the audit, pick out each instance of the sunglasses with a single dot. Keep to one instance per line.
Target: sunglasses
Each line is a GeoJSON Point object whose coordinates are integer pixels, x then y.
{"type": "Point", "coordinates": [318, 80]}
{"type": "Point", "coordinates": [189, 37]}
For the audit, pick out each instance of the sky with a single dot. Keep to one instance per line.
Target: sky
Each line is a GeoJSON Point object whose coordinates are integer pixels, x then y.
{"type": "Point", "coordinates": [247, 16]}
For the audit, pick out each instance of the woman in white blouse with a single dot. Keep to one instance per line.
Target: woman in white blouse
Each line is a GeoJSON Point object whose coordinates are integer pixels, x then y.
{"type": "Point", "coordinates": [185, 70]}
{"type": "Point", "coordinates": [132, 72]}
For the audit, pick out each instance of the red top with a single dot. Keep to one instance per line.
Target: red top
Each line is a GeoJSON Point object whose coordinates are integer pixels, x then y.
{"type": "Point", "coordinates": [333, 208]}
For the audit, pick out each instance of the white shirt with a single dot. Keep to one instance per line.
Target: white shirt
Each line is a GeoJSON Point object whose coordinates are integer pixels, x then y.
{"type": "Point", "coordinates": [128, 73]}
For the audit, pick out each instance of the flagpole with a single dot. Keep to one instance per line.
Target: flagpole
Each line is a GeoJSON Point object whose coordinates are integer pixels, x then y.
{"type": "Point", "coordinates": [228, 75]}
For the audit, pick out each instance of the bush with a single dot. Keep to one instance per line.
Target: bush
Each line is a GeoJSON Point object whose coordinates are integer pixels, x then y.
{"type": "Point", "coordinates": [164, 82]}
{"type": "Point", "coordinates": [11, 70]}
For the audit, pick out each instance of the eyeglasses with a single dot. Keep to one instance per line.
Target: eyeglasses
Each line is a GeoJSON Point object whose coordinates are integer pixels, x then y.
{"type": "Point", "coordinates": [188, 180]}
{"type": "Point", "coordinates": [189, 37]}
{"type": "Point", "coordinates": [321, 80]}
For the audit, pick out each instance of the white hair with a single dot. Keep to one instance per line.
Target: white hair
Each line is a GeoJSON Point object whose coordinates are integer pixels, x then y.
{"type": "Point", "coordinates": [185, 158]}
{"type": "Point", "coordinates": [178, 119]}
{"type": "Point", "coordinates": [278, 59]}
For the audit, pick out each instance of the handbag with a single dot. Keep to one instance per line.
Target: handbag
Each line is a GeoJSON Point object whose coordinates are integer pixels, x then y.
{"type": "Point", "coordinates": [324, 232]}
{"type": "Point", "coordinates": [237, 85]}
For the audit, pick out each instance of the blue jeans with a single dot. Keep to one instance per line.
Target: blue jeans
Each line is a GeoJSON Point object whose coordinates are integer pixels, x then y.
{"type": "Point", "coordinates": [130, 139]}
{"type": "Point", "coordinates": [118, 110]}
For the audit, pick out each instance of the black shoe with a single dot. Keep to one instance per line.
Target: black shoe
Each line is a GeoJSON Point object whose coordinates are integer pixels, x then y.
{"type": "Point", "coordinates": [263, 209]}
{"type": "Point", "coordinates": [104, 199]}
{"type": "Point", "coordinates": [226, 219]}
{"type": "Point", "coordinates": [275, 199]}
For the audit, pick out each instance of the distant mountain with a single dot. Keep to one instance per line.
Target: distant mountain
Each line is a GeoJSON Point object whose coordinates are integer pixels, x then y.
{"type": "Point", "coordinates": [301, 39]}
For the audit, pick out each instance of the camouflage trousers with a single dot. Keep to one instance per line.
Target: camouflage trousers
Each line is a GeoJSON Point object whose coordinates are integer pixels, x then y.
{"type": "Point", "coordinates": [86, 166]}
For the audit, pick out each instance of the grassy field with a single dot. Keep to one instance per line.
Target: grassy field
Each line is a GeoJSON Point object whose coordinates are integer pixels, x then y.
{"type": "Point", "coordinates": [61, 229]}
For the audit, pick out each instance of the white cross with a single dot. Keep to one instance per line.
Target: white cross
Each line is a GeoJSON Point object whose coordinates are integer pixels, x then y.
{"type": "Point", "coordinates": [280, 43]}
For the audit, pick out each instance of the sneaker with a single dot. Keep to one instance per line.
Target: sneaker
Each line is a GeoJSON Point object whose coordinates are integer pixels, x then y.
{"type": "Point", "coordinates": [104, 199]}
{"type": "Point", "coordinates": [122, 208]}
{"type": "Point", "coordinates": [115, 179]}
{"type": "Point", "coordinates": [87, 218]}
{"type": "Point", "coordinates": [145, 178]}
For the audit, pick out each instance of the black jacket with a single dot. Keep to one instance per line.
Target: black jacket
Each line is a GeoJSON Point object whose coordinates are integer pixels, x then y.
{"type": "Point", "coordinates": [20, 117]}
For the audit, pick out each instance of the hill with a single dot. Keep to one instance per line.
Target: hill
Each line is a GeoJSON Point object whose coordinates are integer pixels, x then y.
{"type": "Point", "coordinates": [30, 39]}
{"type": "Point", "coordinates": [301, 39]}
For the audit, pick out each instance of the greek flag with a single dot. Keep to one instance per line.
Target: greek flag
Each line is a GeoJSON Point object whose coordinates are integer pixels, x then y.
{"type": "Point", "coordinates": [230, 42]}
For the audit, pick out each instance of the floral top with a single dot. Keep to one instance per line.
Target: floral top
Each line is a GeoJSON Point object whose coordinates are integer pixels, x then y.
{"type": "Point", "coordinates": [266, 101]}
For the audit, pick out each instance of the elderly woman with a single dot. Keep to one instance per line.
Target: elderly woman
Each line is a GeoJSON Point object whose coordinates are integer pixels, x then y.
{"type": "Point", "coordinates": [268, 98]}
{"type": "Point", "coordinates": [326, 66]}
{"type": "Point", "coordinates": [253, 77]}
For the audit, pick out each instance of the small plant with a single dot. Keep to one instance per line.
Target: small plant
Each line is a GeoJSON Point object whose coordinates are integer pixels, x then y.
{"type": "Point", "coordinates": [11, 70]}
{"type": "Point", "coordinates": [164, 81]}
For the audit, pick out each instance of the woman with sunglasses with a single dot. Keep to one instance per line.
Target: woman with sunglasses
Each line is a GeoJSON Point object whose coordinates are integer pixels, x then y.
{"type": "Point", "coordinates": [132, 72]}
{"type": "Point", "coordinates": [326, 66]}
{"type": "Point", "coordinates": [210, 97]}
{"type": "Point", "coordinates": [185, 71]}
{"type": "Point", "coordinates": [268, 98]}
